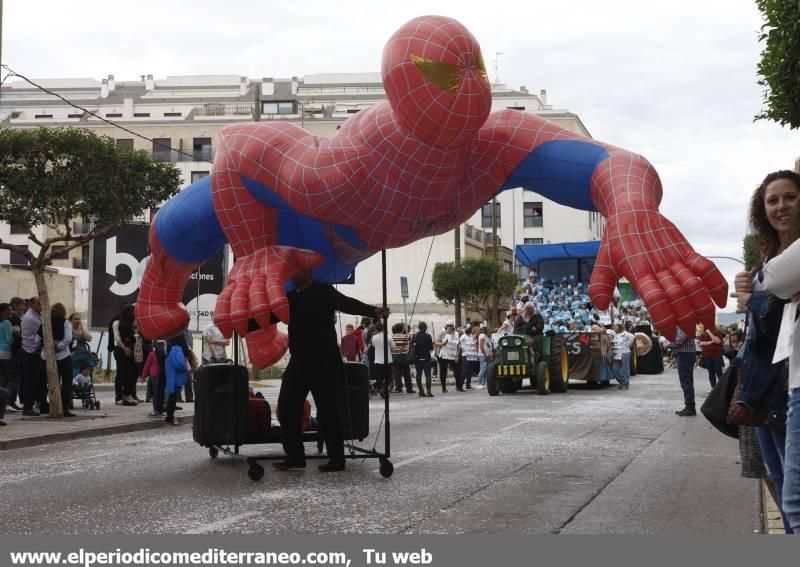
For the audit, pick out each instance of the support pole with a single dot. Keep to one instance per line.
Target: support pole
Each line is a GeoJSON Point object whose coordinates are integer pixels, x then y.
{"type": "Point", "coordinates": [385, 350]}
{"type": "Point", "coordinates": [457, 238]}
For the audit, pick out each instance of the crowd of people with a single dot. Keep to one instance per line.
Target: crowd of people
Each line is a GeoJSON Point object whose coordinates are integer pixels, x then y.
{"type": "Point", "coordinates": [465, 352]}
{"type": "Point", "coordinates": [164, 366]}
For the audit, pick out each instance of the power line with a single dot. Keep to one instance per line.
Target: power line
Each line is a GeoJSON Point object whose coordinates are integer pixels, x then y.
{"type": "Point", "coordinates": [12, 73]}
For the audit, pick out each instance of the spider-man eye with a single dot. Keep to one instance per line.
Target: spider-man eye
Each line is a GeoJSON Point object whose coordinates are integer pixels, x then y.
{"type": "Point", "coordinates": [481, 66]}
{"type": "Point", "coordinates": [446, 76]}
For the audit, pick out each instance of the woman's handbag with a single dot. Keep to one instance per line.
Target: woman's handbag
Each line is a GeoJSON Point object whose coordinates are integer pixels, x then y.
{"type": "Point", "coordinates": [138, 350]}
{"type": "Point", "coordinates": [742, 416]}
{"type": "Point", "coordinates": [718, 402]}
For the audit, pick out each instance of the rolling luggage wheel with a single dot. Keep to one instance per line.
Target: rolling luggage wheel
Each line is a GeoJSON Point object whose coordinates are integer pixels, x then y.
{"type": "Point", "coordinates": [255, 471]}
{"type": "Point", "coordinates": [386, 467]}
{"type": "Point", "coordinates": [213, 452]}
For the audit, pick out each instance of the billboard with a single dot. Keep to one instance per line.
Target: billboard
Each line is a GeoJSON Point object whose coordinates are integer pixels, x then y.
{"type": "Point", "coordinates": [115, 272]}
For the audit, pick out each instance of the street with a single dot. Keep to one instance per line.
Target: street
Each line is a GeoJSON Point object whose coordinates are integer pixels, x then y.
{"type": "Point", "coordinates": [592, 461]}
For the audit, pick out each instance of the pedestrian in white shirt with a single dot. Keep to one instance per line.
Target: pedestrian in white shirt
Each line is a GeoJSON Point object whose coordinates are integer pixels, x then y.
{"type": "Point", "coordinates": [32, 390]}
{"type": "Point", "coordinates": [62, 337]}
{"type": "Point", "coordinates": [469, 358]}
{"type": "Point", "coordinates": [621, 342]}
{"type": "Point", "coordinates": [447, 341]}
{"type": "Point", "coordinates": [485, 350]}
{"type": "Point", "coordinates": [214, 344]}
{"type": "Point", "coordinates": [383, 365]}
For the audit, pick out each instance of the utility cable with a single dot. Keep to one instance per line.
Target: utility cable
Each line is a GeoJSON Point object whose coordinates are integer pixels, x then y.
{"type": "Point", "coordinates": [12, 73]}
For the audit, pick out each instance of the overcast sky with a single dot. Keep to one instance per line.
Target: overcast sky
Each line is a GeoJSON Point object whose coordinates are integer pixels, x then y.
{"type": "Point", "coordinates": [674, 81]}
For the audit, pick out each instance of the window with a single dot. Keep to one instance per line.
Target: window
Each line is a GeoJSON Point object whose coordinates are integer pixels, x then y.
{"type": "Point", "coordinates": [532, 214]}
{"type": "Point", "coordinates": [17, 228]}
{"type": "Point", "coordinates": [515, 107]}
{"type": "Point", "coordinates": [198, 175]}
{"type": "Point", "coordinates": [162, 148]}
{"type": "Point", "coordinates": [486, 215]}
{"type": "Point", "coordinates": [534, 241]}
{"type": "Point", "coordinates": [168, 114]}
{"type": "Point", "coordinates": [352, 110]}
{"type": "Point", "coordinates": [60, 253]}
{"type": "Point", "coordinates": [126, 143]}
{"type": "Point", "coordinates": [74, 115]}
{"type": "Point", "coordinates": [113, 115]}
{"type": "Point", "coordinates": [42, 115]}
{"type": "Point", "coordinates": [17, 259]}
{"type": "Point", "coordinates": [201, 148]}
{"type": "Point", "coordinates": [279, 107]}
{"type": "Point", "coordinates": [141, 115]}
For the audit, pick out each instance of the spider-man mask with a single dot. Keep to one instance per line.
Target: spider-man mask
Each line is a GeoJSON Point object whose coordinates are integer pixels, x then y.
{"type": "Point", "coordinates": [435, 80]}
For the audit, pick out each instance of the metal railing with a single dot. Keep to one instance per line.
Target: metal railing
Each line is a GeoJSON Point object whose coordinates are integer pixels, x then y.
{"type": "Point", "coordinates": [222, 109]}
{"type": "Point", "coordinates": [176, 156]}
{"type": "Point", "coordinates": [479, 235]}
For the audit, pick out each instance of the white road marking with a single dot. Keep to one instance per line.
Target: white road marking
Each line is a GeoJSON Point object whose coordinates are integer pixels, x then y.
{"type": "Point", "coordinates": [426, 455]}
{"type": "Point", "coordinates": [223, 523]}
{"type": "Point", "coordinates": [78, 459]}
{"type": "Point", "coordinates": [513, 425]}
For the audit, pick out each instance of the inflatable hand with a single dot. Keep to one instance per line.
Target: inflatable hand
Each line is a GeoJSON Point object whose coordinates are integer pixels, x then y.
{"type": "Point", "coordinates": [256, 290]}
{"type": "Point", "coordinates": [675, 282]}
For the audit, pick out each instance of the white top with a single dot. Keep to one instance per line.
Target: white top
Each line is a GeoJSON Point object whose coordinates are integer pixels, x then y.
{"type": "Point", "coordinates": [62, 346]}
{"type": "Point", "coordinates": [31, 341]}
{"type": "Point", "coordinates": [782, 277]}
{"type": "Point", "coordinates": [486, 341]}
{"type": "Point", "coordinates": [449, 346]}
{"type": "Point", "coordinates": [212, 332]}
{"type": "Point", "coordinates": [621, 343]}
{"type": "Point", "coordinates": [468, 347]}
{"type": "Point", "coordinates": [377, 342]}
{"type": "Point", "coordinates": [506, 327]}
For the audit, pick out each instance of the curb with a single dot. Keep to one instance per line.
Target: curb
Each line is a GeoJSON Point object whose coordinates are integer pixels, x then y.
{"type": "Point", "coordinates": [49, 438]}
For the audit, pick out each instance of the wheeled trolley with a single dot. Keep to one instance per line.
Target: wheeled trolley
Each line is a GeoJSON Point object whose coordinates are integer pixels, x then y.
{"type": "Point", "coordinates": [222, 411]}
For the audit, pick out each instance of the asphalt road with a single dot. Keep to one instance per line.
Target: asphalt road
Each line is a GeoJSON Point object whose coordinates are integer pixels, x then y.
{"type": "Point", "coordinates": [589, 461]}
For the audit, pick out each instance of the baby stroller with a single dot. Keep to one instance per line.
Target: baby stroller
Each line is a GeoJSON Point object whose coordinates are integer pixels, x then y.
{"type": "Point", "coordinates": [81, 357]}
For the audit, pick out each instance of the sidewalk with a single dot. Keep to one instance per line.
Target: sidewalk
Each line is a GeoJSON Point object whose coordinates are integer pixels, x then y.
{"type": "Point", "coordinates": [108, 420]}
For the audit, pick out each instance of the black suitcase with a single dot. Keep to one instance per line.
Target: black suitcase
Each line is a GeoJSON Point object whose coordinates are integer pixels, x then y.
{"type": "Point", "coordinates": [353, 400]}
{"type": "Point", "coordinates": [220, 404]}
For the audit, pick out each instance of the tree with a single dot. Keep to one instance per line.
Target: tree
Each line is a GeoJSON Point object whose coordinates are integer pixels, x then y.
{"type": "Point", "coordinates": [779, 68]}
{"type": "Point", "coordinates": [750, 252]}
{"type": "Point", "coordinates": [52, 176]}
{"type": "Point", "coordinates": [480, 282]}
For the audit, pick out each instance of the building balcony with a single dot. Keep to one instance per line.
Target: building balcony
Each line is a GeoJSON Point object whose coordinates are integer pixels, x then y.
{"type": "Point", "coordinates": [478, 235]}
{"type": "Point", "coordinates": [177, 156]}
{"type": "Point", "coordinates": [222, 110]}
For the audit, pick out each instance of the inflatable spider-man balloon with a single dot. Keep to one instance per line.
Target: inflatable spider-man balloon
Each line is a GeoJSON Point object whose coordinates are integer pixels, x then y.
{"type": "Point", "coordinates": [416, 165]}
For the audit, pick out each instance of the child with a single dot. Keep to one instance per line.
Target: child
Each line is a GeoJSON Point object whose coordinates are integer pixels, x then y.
{"type": "Point", "coordinates": [82, 382]}
{"type": "Point", "coordinates": [150, 374]}
{"type": "Point", "coordinates": [176, 373]}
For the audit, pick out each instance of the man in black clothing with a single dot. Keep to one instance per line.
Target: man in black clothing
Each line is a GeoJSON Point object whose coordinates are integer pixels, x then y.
{"type": "Point", "coordinates": [315, 365]}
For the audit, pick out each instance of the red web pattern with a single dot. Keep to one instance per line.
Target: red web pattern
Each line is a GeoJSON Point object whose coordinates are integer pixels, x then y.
{"type": "Point", "coordinates": [418, 165]}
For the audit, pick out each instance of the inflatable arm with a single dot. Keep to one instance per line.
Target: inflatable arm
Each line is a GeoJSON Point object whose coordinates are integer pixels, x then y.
{"type": "Point", "coordinates": [678, 285]}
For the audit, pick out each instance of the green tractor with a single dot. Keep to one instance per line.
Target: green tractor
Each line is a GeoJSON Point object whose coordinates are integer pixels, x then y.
{"type": "Point", "coordinates": [520, 356]}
